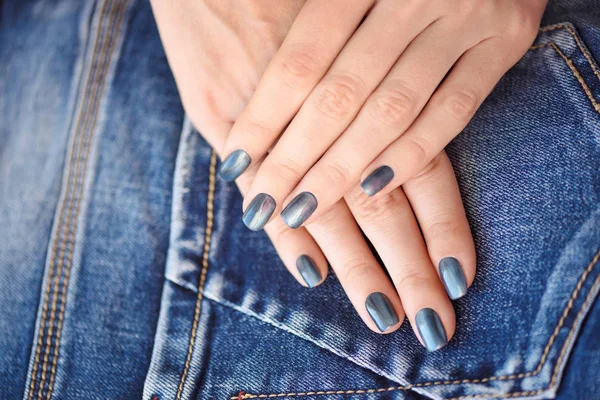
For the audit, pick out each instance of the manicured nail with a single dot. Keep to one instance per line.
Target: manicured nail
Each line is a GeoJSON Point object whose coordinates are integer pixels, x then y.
{"type": "Point", "coordinates": [377, 180]}
{"type": "Point", "coordinates": [453, 278]}
{"type": "Point", "coordinates": [381, 311]}
{"type": "Point", "coordinates": [431, 329]}
{"type": "Point", "coordinates": [259, 212]}
{"type": "Point", "coordinates": [234, 165]}
{"type": "Point", "coordinates": [299, 209]}
{"type": "Point", "coordinates": [308, 270]}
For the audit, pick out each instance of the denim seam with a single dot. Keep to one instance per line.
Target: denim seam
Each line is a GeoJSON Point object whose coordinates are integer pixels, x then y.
{"type": "Point", "coordinates": [65, 233]}
{"type": "Point", "coordinates": [586, 54]}
{"type": "Point", "coordinates": [577, 75]}
{"type": "Point", "coordinates": [205, 257]}
{"type": "Point", "coordinates": [566, 311]}
{"type": "Point", "coordinates": [541, 363]}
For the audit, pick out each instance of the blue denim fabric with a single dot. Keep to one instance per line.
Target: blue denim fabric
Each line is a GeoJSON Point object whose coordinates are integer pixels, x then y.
{"type": "Point", "coordinates": [126, 271]}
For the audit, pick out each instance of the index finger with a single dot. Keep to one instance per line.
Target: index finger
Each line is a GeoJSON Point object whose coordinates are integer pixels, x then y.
{"type": "Point", "coordinates": [318, 34]}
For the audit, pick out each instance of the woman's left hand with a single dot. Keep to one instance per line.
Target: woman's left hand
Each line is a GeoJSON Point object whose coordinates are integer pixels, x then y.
{"type": "Point", "coordinates": [374, 89]}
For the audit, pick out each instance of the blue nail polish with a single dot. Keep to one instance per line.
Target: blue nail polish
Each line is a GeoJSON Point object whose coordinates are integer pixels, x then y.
{"type": "Point", "coordinates": [377, 180]}
{"type": "Point", "coordinates": [381, 311]}
{"type": "Point", "coordinates": [431, 329]}
{"type": "Point", "coordinates": [453, 278]}
{"type": "Point", "coordinates": [234, 165]}
{"type": "Point", "coordinates": [259, 212]}
{"type": "Point", "coordinates": [308, 270]}
{"type": "Point", "coordinates": [299, 209]}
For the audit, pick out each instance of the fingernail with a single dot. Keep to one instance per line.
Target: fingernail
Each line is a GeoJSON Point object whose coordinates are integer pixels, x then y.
{"type": "Point", "coordinates": [431, 329]}
{"type": "Point", "coordinates": [308, 270]}
{"type": "Point", "coordinates": [453, 278]}
{"type": "Point", "coordinates": [381, 311]}
{"type": "Point", "coordinates": [299, 209]}
{"type": "Point", "coordinates": [259, 212]}
{"type": "Point", "coordinates": [377, 180]}
{"type": "Point", "coordinates": [234, 165]}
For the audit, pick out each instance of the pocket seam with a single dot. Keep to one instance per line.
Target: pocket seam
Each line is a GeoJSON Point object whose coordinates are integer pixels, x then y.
{"type": "Point", "coordinates": [205, 257]}
{"type": "Point", "coordinates": [242, 395]}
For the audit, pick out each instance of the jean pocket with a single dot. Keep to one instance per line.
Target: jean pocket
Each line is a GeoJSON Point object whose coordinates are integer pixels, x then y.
{"type": "Point", "coordinates": [527, 165]}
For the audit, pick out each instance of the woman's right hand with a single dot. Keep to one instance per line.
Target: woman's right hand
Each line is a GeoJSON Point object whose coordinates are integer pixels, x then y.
{"type": "Point", "coordinates": [218, 51]}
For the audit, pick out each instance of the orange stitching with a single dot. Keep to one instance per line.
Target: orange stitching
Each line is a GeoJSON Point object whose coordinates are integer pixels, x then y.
{"type": "Point", "coordinates": [578, 76]}
{"type": "Point", "coordinates": [561, 321]}
{"type": "Point", "coordinates": [59, 230]}
{"type": "Point", "coordinates": [120, 12]}
{"type": "Point", "coordinates": [207, 241]}
{"type": "Point", "coordinates": [576, 37]}
{"type": "Point", "coordinates": [574, 295]}
{"type": "Point", "coordinates": [563, 352]}
{"type": "Point", "coordinates": [586, 305]}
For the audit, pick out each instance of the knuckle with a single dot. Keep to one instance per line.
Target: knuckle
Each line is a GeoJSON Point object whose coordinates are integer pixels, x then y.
{"type": "Point", "coordinates": [430, 169]}
{"type": "Point", "coordinates": [413, 277]}
{"type": "Point", "coordinates": [419, 147]}
{"type": "Point", "coordinates": [338, 97]}
{"type": "Point", "coordinates": [357, 269]}
{"type": "Point", "coordinates": [393, 107]}
{"type": "Point", "coordinates": [522, 25]}
{"type": "Point", "coordinates": [441, 228]}
{"type": "Point", "coordinates": [460, 104]}
{"type": "Point", "coordinates": [377, 209]}
{"type": "Point", "coordinates": [300, 66]}
{"type": "Point", "coordinates": [287, 170]}
{"type": "Point", "coordinates": [338, 173]}
{"type": "Point", "coordinates": [259, 130]}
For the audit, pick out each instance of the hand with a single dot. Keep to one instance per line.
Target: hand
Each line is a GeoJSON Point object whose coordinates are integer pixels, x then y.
{"type": "Point", "coordinates": [371, 89]}
{"type": "Point", "coordinates": [216, 89]}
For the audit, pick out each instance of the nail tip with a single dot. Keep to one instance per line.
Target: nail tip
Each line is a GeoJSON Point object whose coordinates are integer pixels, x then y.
{"type": "Point", "coordinates": [381, 311]}
{"type": "Point", "coordinates": [299, 209]}
{"type": "Point", "coordinates": [309, 271]}
{"type": "Point", "coordinates": [431, 329]}
{"type": "Point", "coordinates": [453, 277]}
{"type": "Point", "coordinates": [234, 165]}
{"type": "Point", "coordinates": [436, 348]}
{"type": "Point", "coordinates": [259, 212]}
{"type": "Point", "coordinates": [377, 180]}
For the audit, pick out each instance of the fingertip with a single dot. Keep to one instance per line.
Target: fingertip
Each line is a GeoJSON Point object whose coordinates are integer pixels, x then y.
{"type": "Point", "coordinates": [312, 275]}
{"type": "Point", "coordinates": [234, 165]}
{"type": "Point", "coordinates": [384, 318]}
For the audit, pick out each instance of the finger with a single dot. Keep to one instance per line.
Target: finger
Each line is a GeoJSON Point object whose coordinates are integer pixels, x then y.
{"type": "Point", "coordinates": [361, 276]}
{"type": "Point", "coordinates": [435, 200]}
{"type": "Point", "coordinates": [390, 225]}
{"type": "Point", "coordinates": [388, 112]}
{"type": "Point", "coordinates": [300, 63]}
{"type": "Point", "coordinates": [338, 97]}
{"type": "Point", "coordinates": [299, 252]}
{"type": "Point", "coordinates": [449, 110]}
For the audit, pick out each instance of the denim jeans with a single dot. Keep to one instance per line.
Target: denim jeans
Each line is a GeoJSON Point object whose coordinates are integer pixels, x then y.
{"type": "Point", "coordinates": [126, 271]}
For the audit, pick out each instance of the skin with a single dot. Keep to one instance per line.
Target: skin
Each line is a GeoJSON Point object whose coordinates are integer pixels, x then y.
{"type": "Point", "coordinates": [391, 90]}
{"type": "Point", "coordinates": [226, 84]}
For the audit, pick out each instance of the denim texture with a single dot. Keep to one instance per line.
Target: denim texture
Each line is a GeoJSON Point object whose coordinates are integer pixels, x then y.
{"type": "Point", "coordinates": [126, 271]}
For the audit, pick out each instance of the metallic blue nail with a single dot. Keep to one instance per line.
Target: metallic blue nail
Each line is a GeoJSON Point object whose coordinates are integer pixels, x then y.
{"type": "Point", "coordinates": [259, 212]}
{"type": "Point", "coordinates": [234, 165]}
{"type": "Point", "coordinates": [377, 180]}
{"type": "Point", "coordinates": [431, 329]}
{"type": "Point", "coordinates": [299, 209]}
{"type": "Point", "coordinates": [381, 311]}
{"type": "Point", "coordinates": [309, 271]}
{"type": "Point", "coordinates": [453, 278]}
